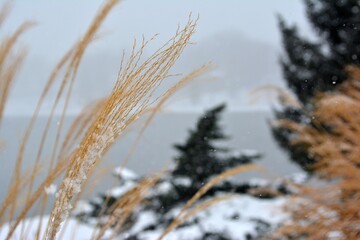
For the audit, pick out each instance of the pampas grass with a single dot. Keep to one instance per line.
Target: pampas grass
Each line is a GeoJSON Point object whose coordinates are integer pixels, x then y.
{"type": "Point", "coordinates": [332, 139]}
{"type": "Point", "coordinates": [10, 60]}
{"type": "Point", "coordinates": [94, 131]}
{"type": "Point", "coordinates": [129, 99]}
{"type": "Point", "coordinates": [72, 59]}
{"type": "Point", "coordinates": [9, 68]}
{"type": "Point", "coordinates": [75, 154]}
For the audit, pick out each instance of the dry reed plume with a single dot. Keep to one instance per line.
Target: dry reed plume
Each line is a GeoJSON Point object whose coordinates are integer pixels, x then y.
{"type": "Point", "coordinates": [129, 99]}
{"type": "Point", "coordinates": [153, 111]}
{"type": "Point", "coordinates": [94, 131]}
{"type": "Point", "coordinates": [75, 155]}
{"type": "Point", "coordinates": [71, 60]}
{"type": "Point", "coordinates": [332, 139]}
{"type": "Point", "coordinates": [284, 97]}
{"type": "Point", "coordinates": [10, 60]}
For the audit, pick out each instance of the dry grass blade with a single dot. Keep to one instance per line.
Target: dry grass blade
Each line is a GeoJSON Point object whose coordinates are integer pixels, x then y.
{"type": "Point", "coordinates": [202, 191]}
{"type": "Point", "coordinates": [14, 188]}
{"type": "Point", "coordinates": [54, 174]}
{"type": "Point", "coordinates": [284, 97]}
{"type": "Point", "coordinates": [96, 179]}
{"type": "Point", "coordinates": [199, 208]}
{"type": "Point", "coordinates": [69, 56]}
{"type": "Point", "coordinates": [180, 84]}
{"type": "Point", "coordinates": [99, 128]}
{"type": "Point", "coordinates": [2, 145]}
{"type": "Point", "coordinates": [10, 62]}
{"type": "Point", "coordinates": [73, 57]}
{"type": "Point", "coordinates": [129, 99]}
{"type": "Point", "coordinates": [70, 75]}
{"type": "Point", "coordinates": [9, 66]}
{"type": "Point", "coordinates": [78, 127]}
{"type": "Point", "coordinates": [13, 195]}
{"type": "Point", "coordinates": [7, 80]}
{"type": "Point", "coordinates": [124, 206]}
{"type": "Point", "coordinates": [4, 11]}
{"type": "Point", "coordinates": [332, 139]}
{"type": "Point", "coordinates": [8, 44]}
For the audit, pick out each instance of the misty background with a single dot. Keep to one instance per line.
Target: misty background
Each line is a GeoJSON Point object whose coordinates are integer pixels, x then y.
{"type": "Point", "coordinates": [241, 38]}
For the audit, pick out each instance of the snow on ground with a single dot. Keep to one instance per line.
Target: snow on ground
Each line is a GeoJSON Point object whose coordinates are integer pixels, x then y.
{"type": "Point", "coordinates": [251, 153]}
{"type": "Point", "coordinates": [127, 181]}
{"type": "Point", "coordinates": [73, 230]}
{"type": "Point", "coordinates": [237, 218]}
{"type": "Point", "coordinates": [184, 181]}
{"type": "Point", "coordinates": [124, 173]}
{"type": "Point", "coordinates": [124, 188]}
{"type": "Point", "coordinates": [299, 177]}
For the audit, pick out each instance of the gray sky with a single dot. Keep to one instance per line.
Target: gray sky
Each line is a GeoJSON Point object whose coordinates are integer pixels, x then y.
{"type": "Point", "coordinates": [236, 35]}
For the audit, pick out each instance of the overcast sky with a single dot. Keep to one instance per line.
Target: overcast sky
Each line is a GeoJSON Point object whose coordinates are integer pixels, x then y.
{"type": "Point", "coordinates": [236, 35]}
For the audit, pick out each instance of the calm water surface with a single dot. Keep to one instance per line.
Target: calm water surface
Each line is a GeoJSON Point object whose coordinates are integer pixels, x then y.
{"type": "Point", "coordinates": [248, 130]}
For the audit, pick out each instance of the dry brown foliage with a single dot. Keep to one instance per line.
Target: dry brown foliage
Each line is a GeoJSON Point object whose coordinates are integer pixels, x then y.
{"type": "Point", "coordinates": [10, 60]}
{"type": "Point", "coordinates": [332, 139]}
{"type": "Point", "coordinates": [284, 97]}
{"type": "Point", "coordinates": [129, 99]}
{"type": "Point", "coordinates": [124, 206]}
{"type": "Point", "coordinates": [71, 61]}
{"type": "Point", "coordinates": [93, 132]}
{"type": "Point", "coordinates": [156, 109]}
{"type": "Point", "coordinates": [2, 145]}
{"type": "Point", "coordinates": [75, 155]}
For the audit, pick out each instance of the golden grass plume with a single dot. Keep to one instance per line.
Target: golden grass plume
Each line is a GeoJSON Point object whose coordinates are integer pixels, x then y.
{"type": "Point", "coordinates": [333, 141]}
{"type": "Point", "coordinates": [93, 132]}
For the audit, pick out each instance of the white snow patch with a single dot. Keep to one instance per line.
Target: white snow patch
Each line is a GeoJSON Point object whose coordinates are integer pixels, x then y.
{"type": "Point", "coordinates": [163, 187]}
{"type": "Point", "coordinates": [74, 230]}
{"type": "Point", "coordinates": [121, 190]}
{"type": "Point", "coordinates": [185, 181]}
{"type": "Point", "coordinates": [82, 207]}
{"type": "Point", "coordinates": [300, 177]}
{"type": "Point", "coordinates": [125, 174]}
{"type": "Point", "coordinates": [258, 182]}
{"type": "Point", "coordinates": [235, 217]}
{"type": "Point", "coordinates": [334, 235]}
{"type": "Point", "coordinates": [146, 219]}
{"type": "Point", "coordinates": [246, 153]}
{"type": "Point", "coordinates": [50, 190]}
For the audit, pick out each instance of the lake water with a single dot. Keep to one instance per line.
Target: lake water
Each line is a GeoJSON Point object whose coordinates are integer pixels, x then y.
{"type": "Point", "coordinates": [248, 130]}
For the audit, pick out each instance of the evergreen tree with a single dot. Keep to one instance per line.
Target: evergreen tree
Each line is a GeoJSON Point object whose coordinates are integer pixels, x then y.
{"type": "Point", "coordinates": [310, 67]}
{"type": "Point", "coordinates": [198, 157]}
{"type": "Point", "coordinates": [199, 160]}
{"type": "Point", "coordinates": [306, 67]}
